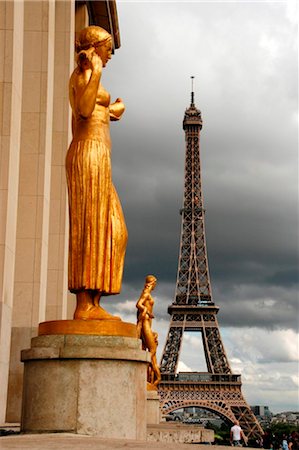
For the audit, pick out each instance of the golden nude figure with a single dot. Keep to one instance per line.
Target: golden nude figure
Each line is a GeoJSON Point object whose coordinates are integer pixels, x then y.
{"type": "Point", "coordinates": [98, 233]}
{"type": "Point", "coordinates": [149, 338]}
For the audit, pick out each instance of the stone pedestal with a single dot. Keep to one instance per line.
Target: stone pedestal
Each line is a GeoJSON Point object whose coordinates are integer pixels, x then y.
{"type": "Point", "coordinates": [92, 385]}
{"type": "Point", "coordinates": [153, 408]}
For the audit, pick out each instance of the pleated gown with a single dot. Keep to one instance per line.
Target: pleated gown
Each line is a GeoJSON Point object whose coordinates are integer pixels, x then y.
{"type": "Point", "coordinates": [98, 233]}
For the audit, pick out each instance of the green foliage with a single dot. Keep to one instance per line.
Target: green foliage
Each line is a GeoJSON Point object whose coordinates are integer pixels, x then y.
{"type": "Point", "coordinates": [221, 433]}
{"type": "Point", "coordinates": [224, 438]}
{"type": "Point", "coordinates": [212, 426]}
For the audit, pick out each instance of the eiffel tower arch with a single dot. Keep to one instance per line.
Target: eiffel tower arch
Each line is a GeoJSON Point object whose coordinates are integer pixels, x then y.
{"type": "Point", "coordinates": [193, 309]}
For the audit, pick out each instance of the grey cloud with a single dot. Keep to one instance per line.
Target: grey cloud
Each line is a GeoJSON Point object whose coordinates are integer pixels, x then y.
{"type": "Point", "coordinates": [282, 316]}
{"type": "Point", "coordinates": [244, 59]}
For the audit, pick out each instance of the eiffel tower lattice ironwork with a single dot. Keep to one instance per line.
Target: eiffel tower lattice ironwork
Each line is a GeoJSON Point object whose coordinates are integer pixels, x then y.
{"type": "Point", "coordinates": [218, 390]}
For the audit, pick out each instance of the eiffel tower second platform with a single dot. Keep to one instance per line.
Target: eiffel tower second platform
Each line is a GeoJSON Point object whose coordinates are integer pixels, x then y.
{"type": "Point", "coordinates": [219, 389]}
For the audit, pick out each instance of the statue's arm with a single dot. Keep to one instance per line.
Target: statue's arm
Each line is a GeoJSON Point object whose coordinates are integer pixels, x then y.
{"type": "Point", "coordinates": [85, 85]}
{"type": "Point", "coordinates": [141, 306]}
{"type": "Point", "coordinates": [72, 102]}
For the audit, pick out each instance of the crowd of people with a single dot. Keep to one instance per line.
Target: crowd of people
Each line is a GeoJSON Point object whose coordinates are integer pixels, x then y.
{"type": "Point", "coordinates": [272, 441]}
{"type": "Point", "coordinates": [269, 441]}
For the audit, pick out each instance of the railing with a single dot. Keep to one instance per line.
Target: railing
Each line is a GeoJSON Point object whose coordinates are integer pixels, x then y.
{"type": "Point", "coordinates": [202, 377]}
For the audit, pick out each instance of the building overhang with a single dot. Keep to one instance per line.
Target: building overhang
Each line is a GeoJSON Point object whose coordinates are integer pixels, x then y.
{"type": "Point", "coordinates": [103, 13]}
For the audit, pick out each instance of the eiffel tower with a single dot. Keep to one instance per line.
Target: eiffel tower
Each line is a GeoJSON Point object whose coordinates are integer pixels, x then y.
{"type": "Point", "coordinates": [193, 309]}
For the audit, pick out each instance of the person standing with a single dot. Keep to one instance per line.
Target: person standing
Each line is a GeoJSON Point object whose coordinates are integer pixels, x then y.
{"type": "Point", "coordinates": [285, 445]}
{"type": "Point", "coordinates": [294, 441]}
{"type": "Point", "coordinates": [236, 434]}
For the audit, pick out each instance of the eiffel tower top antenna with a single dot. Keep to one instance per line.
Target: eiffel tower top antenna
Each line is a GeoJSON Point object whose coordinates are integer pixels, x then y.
{"type": "Point", "coordinates": [192, 92]}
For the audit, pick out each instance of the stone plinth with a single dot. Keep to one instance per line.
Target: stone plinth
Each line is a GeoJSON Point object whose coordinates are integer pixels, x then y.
{"type": "Point", "coordinates": [179, 433]}
{"type": "Point", "coordinates": [153, 408]}
{"type": "Point", "coordinates": [92, 385]}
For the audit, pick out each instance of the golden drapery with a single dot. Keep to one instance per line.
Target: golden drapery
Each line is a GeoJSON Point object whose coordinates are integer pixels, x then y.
{"type": "Point", "coordinates": [98, 234]}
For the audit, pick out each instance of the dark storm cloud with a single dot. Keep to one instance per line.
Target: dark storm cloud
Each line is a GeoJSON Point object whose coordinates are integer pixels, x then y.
{"type": "Point", "coordinates": [244, 57]}
{"type": "Point", "coordinates": [256, 305]}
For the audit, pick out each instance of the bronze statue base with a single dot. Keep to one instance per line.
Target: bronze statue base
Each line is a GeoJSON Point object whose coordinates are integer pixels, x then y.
{"type": "Point", "coordinates": [88, 327]}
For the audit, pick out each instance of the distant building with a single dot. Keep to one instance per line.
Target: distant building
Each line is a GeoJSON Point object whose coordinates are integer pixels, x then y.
{"type": "Point", "coordinates": [263, 415]}
{"type": "Point", "coordinates": [262, 411]}
{"type": "Point", "coordinates": [289, 417]}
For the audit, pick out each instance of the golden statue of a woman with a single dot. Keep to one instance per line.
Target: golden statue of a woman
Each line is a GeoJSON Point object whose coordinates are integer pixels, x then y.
{"type": "Point", "coordinates": [149, 338]}
{"type": "Point", "coordinates": [98, 234]}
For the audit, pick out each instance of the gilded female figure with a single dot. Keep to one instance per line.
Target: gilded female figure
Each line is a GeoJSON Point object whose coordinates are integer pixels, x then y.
{"type": "Point", "coordinates": [98, 234]}
{"type": "Point", "coordinates": [149, 338]}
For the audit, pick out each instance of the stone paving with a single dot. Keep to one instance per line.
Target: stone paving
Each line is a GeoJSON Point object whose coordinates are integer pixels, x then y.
{"type": "Point", "coordinates": [65, 441]}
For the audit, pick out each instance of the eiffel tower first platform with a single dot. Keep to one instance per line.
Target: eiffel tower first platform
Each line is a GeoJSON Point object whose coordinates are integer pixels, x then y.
{"type": "Point", "coordinates": [219, 389]}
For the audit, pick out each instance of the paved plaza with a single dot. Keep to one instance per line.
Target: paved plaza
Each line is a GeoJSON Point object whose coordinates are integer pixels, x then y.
{"type": "Point", "coordinates": [65, 441]}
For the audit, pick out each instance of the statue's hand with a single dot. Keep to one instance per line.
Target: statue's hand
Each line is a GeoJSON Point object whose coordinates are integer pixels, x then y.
{"type": "Point", "coordinates": [116, 109]}
{"type": "Point", "coordinates": [96, 62]}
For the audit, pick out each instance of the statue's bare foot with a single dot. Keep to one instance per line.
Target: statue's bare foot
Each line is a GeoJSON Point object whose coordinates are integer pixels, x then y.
{"type": "Point", "coordinates": [151, 387]}
{"type": "Point", "coordinates": [93, 313]}
{"type": "Point", "coordinates": [106, 315]}
{"type": "Point", "coordinates": [96, 299]}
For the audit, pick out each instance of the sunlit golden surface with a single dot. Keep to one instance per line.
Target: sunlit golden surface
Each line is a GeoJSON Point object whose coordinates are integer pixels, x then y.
{"type": "Point", "coordinates": [88, 327]}
{"type": "Point", "coordinates": [149, 338]}
{"type": "Point", "coordinates": [98, 233]}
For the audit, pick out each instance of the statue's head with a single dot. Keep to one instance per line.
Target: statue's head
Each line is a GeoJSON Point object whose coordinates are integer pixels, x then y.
{"type": "Point", "coordinates": [96, 39]}
{"type": "Point", "coordinates": [151, 281]}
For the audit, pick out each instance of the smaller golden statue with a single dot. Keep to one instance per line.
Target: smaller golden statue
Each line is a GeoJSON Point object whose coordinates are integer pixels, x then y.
{"type": "Point", "coordinates": [149, 338]}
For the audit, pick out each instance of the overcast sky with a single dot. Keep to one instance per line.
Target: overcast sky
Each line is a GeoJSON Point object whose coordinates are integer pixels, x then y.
{"type": "Point", "coordinates": [244, 58]}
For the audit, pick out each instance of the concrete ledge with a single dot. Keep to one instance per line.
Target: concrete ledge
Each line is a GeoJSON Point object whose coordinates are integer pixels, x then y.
{"type": "Point", "coordinates": [77, 352]}
{"type": "Point", "coordinates": [85, 341]}
{"type": "Point", "coordinates": [86, 347]}
{"type": "Point", "coordinates": [39, 353]}
{"type": "Point", "coordinates": [153, 408]}
{"type": "Point", "coordinates": [179, 433]}
{"type": "Point", "coordinates": [104, 353]}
